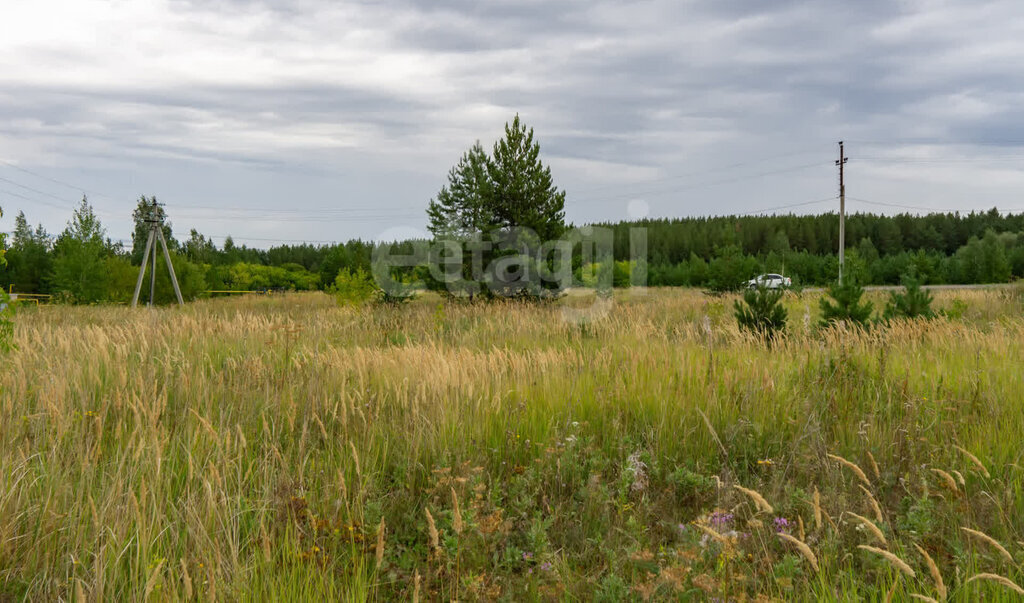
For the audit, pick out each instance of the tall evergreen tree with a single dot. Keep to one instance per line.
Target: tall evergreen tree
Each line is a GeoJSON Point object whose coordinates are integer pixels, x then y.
{"type": "Point", "coordinates": [509, 202]}
{"type": "Point", "coordinates": [463, 207]}
{"type": "Point", "coordinates": [524, 194]}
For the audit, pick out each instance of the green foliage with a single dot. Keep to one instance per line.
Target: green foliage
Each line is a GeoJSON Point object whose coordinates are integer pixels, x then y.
{"type": "Point", "coordinates": [242, 276]}
{"type": "Point", "coordinates": [985, 259]}
{"type": "Point", "coordinates": [762, 312]}
{"type": "Point", "coordinates": [354, 287]}
{"type": "Point", "coordinates": [730, 270]}
{"type": "Point", "coordinates": [79, 258]}
{"type": "Point", "coordinates": [846, 305]}
{"type": "Point", "coordinates": [913, 302]}
{"type": "Point", "coordinates": [523, 194]}
{"type": "Point", "coordinates": [6, 309]}
{"type": "Point", "coordinates": [464, 206]}
{"type": "Point", "coordinates": [505, 205]}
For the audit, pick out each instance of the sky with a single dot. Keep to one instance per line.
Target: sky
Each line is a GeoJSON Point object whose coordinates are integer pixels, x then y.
{"type": "Point", "coordinates": [323, 120]}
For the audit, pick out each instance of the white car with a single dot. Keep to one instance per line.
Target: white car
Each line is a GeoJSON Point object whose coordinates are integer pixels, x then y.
{"type": "Point", "coordinates": [770, 281]}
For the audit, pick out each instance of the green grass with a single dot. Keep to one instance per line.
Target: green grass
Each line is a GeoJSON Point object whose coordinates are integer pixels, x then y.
{"type": "Point", "coordinates": [249, 449]}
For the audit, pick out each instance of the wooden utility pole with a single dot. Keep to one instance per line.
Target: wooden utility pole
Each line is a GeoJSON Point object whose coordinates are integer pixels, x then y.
{"type": "Point", "coordinates": [156, 234]}
{"type": "Point", "coordinates": [842, 211]}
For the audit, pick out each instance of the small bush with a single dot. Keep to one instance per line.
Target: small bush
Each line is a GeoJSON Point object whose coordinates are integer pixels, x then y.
{"type": "Point", "coordinates": [846, 305]}
{"type": "Point", "coordinates": [762, 312]}
{"type": "Point", "coordinates": [913, 302]}
{"type": "Point", "coordinates": [354, 287]}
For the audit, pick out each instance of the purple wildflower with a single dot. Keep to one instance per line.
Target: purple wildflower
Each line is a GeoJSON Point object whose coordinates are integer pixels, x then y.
{"type": "Point", "coordinates": [782, 525]}
{"type": "Point", "coordinates": [720, 519]}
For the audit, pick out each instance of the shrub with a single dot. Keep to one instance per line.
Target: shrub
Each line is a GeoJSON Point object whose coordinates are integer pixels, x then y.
{"type": "Point", "coordinates": [913, 302]}
{"type": "Point", "coordinates": [762, 312]}
{"type": "Point", "coordinates": [846, 304]}
{"type": "Point", "coordinates": [354, 287]}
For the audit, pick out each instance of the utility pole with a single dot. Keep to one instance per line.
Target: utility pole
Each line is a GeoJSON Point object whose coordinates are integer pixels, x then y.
{"type": "Point", "coordinates": [842, 211]}
{"type": "Point", "coordinates": [156, 234]}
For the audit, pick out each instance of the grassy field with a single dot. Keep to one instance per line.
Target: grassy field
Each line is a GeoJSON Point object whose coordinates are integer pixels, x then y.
{"type": "Point", "coordinates": [287, 448]}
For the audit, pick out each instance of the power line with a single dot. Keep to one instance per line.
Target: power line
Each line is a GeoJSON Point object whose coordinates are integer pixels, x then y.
{"type": "Point", "coordinates": [700, 185]}
{"type": "Point", "coordinates": [927, 209]}
{"type": "Point", "coordinates": [771, 209]}
{"type": "Point", "coordinates": [56, 181]}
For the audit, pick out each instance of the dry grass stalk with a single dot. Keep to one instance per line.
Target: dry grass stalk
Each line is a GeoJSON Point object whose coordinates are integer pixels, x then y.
{"type": "Point", "coordinates": [871, 527]}
{"type": "Point", "coordinates": [922, 598]}
{"type": "Point", "coordinates": [800, 524]}
{"type": "Point", "coordinates": [714, 434]}
{"type": "Point", "coordinates": [977, 462]}
{"type": "Point", "coordinates": [1010, 584]}
{"type": "Point", "coordinates": [381, 528]}
{"type": "Point", "coordinates": [762, 504]}
{"type": "Point", "coordinates": [874, 504]}
{"type": "Point", "coordinates": [712, 533]}
{"type": "Point", "coordinates": [874, 466]}
{"type": "Point", "coordinates": [852, 467]}
{"type": "Point", "coordinates": [355, 457]}
{"type": "Point", "coordinates": [817, 509]}
{"type": "Point", "coordinates": [187, 580]}
{"type": "Point", "coordinates": [947, 479]}
{"type": "Point", "coordinates": [892, 559]}
{"type": "Point", "coordinates": [432, 531]}
{"type": "Point", "coordinates": [456, 514]}
{"type": "Point", "coordinates": [933, 569]}
{"type": "Point", "coordinates": [416, 587]}
{"type": "Point", "coordinates": [802, 547]}
{"type": "Point", "coordinates": [1005, 554]}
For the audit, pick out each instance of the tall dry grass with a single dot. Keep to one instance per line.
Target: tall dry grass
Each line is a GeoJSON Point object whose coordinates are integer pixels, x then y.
{"type": "Point", "coordinates": [255, 448]}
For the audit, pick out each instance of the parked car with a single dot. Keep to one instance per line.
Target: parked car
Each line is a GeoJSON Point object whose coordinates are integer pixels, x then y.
{"type": "Point", "coordinates": [770, 281]}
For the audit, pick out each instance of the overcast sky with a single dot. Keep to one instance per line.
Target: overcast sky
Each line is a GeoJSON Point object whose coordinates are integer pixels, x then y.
{"type": "Point", "coordinates": [324, 120]}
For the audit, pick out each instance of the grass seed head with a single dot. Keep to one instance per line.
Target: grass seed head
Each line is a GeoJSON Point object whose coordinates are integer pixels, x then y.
{"type": "Point", "coordinates": [892, 559]}
{"type": "Point", "coordinates": [933, 569]}
{"type": "Point", "coordinates": [977, 462]}
{"type": "Point", "coordinates": [432, 531]}
{"type": "Point", "coordinates": [1005, 554]}
{"type": "Point", "coordinates": [871, 527]}
{"type": "Point", "coordinates": [1010, 584]}
{"type": "Point", "coordinates": [802, 547]}
{"type": "Point", "coordinates": [762, 504]}
{"type": "Point", "coordinates": [852, 467]}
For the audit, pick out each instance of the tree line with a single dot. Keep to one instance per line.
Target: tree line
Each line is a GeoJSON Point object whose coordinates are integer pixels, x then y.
{"type": "Point", "coordinates": [82, 264]}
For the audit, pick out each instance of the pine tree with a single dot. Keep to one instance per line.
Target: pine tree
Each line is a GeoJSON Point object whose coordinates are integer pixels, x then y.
{"type": "Point", "coordinates": [847, 306]}
{"type": "Point", "coordinates": [498, 210]}
{"type": "Point", "coordinates": [523, 193]}
{"type": "Point", "coordinates": [913, 302]}
{"type": "Point", "coordinates": [463, 206]}
{"type": "Point", "coordinates": [762, 312]}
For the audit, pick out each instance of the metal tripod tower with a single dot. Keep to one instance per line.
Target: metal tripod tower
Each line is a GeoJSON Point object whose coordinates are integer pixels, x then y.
{"type": "Point", "coordinates": [156, 231]}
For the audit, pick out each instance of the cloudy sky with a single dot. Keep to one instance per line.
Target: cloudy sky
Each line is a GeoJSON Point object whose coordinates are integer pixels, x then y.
{"type": "Point", "coordinates": [322, 120]}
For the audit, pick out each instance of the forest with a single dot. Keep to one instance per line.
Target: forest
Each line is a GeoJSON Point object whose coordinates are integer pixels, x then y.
{"type": "Point", "coordinates": [83, 264]}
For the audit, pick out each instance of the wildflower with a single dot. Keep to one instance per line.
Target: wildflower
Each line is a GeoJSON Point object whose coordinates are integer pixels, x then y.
{"type": "Point", "coordinates": [527, 556]}
{"type": "Point", "coordinates": [720, 519]}
{"type": "Point", "coordinates": [766, 462]}
{"type": "Point", "coordinates": [782, 525]}
{"type": "Point", "coordinates": [546, 566]}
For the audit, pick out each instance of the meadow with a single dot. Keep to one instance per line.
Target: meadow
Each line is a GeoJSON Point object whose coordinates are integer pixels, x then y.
{"type": "Point", "coordinates": [291, 448]}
